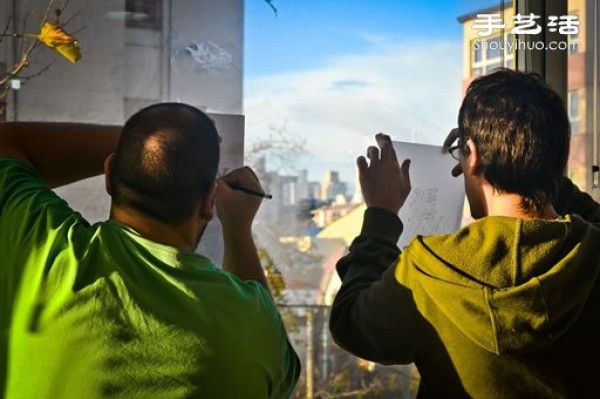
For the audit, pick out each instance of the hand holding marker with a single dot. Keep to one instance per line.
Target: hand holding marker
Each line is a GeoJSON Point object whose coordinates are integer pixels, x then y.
{"type": "Point", "coordinates": [249, 191]}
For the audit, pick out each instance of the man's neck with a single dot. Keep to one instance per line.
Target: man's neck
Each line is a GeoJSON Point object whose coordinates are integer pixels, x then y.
{"type": "Point", "coordinates": [511, 205]}
{"type": "Point", "coordinates": [181, 237]}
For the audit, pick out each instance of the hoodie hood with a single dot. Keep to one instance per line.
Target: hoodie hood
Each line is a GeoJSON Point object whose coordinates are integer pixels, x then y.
{"type": "Point", "coordinates": [510, 285]}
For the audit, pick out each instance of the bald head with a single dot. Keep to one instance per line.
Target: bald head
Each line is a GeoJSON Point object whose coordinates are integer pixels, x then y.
{"type": "Point", "coordinates": [165, 162]}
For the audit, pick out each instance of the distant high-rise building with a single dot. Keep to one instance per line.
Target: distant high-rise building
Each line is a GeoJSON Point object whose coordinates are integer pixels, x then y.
{"type": "Point", "coordinates": [314, 190]}
{"type": "Point", "coordinates": [332, 186]}
{"type": "Point", "coordinates": [357, 197]}
{"type": "Point", "coordinates": [302, 184]}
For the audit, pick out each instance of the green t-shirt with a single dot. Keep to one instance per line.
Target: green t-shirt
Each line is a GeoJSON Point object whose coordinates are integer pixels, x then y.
{"type": "Point", "coordinates": [99, 311]}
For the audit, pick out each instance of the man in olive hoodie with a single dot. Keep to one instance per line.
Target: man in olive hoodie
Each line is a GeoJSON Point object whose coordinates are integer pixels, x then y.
{"type": "Point", "coordinates": [508, 306]}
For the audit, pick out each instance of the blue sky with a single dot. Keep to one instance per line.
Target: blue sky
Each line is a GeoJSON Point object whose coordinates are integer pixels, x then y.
{"type": "Point", "coordinates": [335, 72]}
{"type": "Point", "coordinates": [307, 32]}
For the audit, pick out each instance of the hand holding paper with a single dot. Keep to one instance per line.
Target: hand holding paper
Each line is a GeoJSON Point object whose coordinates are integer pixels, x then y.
{"type": "Point", "coordinates": [384, 183]}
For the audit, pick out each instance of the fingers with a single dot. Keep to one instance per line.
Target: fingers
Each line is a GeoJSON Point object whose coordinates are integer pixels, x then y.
{"type": "Point", "coordinates": [238, 199]}
{"type": "Point", "coordinates": [457, 170]}
{"type": "Point", "coordinates": [249, 179]}
{"type": "Point", "coordinates": [373, 154]}
{"type": "Point", "coordinates": [250, 172]}
{"type": "Point", "coordinates": [361, 162]}
{"type": "Point", "coordinates": [387, 148]}
{"type": "Point", "coordinates": [244, 177]}
{"type": "Point", "coordinates": [404, 172]}
{"type": "Point", "coordinates": [384, 152]}
{"type": "Point", "coordinates": [383, 182]}
{"type": "Point", "coordinates": [451, 138]}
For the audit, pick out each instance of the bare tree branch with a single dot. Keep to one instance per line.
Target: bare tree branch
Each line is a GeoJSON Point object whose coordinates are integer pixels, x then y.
{"type": "Point", "coordinates": [32, 10]}
{"type": "Point", "coordinates": [38, 73]}
{"type": "Point", "coordinates": [28, 42]}
{"type": "Point", "coordinates": [6, 29]}
{"type": "Point", "coordinates": [280, 147]}
{"type": "Point", "coordinates": [75, 14]}
{"type": "Point", "coordinates": [47, 12]}
{"type": "Point", "coordinates": [270, 3]}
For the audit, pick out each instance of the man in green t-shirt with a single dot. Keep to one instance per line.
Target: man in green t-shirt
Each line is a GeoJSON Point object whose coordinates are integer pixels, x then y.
{"type": "Point", "coordinates": [125, 308]}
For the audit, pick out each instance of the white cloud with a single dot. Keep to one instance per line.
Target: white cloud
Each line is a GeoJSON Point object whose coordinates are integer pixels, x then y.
{"type": "Point", "coordinates": [408, 90]}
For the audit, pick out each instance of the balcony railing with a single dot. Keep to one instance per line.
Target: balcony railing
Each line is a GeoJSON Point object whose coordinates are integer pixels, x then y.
{"type": "Point", "coordinates": [329, 372]}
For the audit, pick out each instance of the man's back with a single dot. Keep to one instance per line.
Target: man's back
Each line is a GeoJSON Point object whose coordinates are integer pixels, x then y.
{"type": "Point", "coordinates": [97, 311]}
{"type": "Point", "coordinates": [504, 308]}
{"type": "Point", "coordinates": [499, 314]}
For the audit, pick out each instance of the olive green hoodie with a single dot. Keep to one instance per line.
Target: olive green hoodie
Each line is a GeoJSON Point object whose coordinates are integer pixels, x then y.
{"type": "Point", "coordinates": [504, 308]}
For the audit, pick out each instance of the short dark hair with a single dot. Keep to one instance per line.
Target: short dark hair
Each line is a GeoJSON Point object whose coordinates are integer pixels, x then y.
{"type": "Point", "coordinates": [166, 160]}
{"type": "Point", "coordinates": [522, 133]}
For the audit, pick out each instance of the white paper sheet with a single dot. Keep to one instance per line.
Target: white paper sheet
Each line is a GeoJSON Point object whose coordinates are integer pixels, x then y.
{"type": "Point", "coordinates": [435, 203]}
{"type": "Point", "coordinates": [231, 130]}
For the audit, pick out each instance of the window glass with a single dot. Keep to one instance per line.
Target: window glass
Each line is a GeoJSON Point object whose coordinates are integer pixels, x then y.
{"type": "Point", "coordinates": [509, 39]}
{"type": "Point", "coordinates": [491, 67]}
{"type": "Point", "coordinates": [4, 84]}
{"type": "Point", "coordinates": [574, 104]}
{"type": "Point", "coordinates": [582, 100]}
{"type": "Point", "coordinates": [476, 71]}
{"type": "Point", "coordinates": [326, 81]}
{"type": "Point", "coordinates": [297, 91]}
{"type": "Point", "coordinates": [495, 48]}
{"type": "Point", "coordinates": [143, 14]}
{"type": "Point", "coordinates": [477, 53]}
{"type": "Point", "coordinates": [491, 52]}
{"type": "Point", "coordinates": [573, 37]}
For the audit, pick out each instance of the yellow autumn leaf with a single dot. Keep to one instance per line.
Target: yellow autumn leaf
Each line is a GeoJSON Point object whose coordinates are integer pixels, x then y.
{"type": "Point", "coordinates": [56, 38]}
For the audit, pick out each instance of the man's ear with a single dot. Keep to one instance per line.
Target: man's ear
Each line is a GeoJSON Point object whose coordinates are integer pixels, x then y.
{"type": "Point", "coordinates": [471, 157]}
{"type": "Point", "coordinates": [108, 167]}
{"type": "Point", "coordinates": [206, 207]}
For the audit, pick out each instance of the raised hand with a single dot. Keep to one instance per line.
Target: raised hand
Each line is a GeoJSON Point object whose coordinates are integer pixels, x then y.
{"type": "Point", "coordinates": [236, 208]}
{"type": "Point", "coordinates": [384, 183]}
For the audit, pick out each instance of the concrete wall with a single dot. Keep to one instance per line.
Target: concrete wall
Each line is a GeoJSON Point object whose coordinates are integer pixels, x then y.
{"type": "Point", "coordinates": [207, 54]}
{"type": "Point", "coordinates": [89, 91]}
{"type": "Point", "coordinates": [195, 56]}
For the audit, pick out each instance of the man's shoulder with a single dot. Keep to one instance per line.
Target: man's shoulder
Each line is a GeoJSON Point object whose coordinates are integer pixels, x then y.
{"type": "Point", "coordinates": [249, 291]}
{"type": "Point", "coordinates": [11, 165]}
{"type": "Point", "coordinates": [195, 270]}
{"type": "Point", "coordinates": [20, 180]}
{"type": "Point", "coordinates": [27, 203]}
{"type": "Point", "coordinates": [468, 247]}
